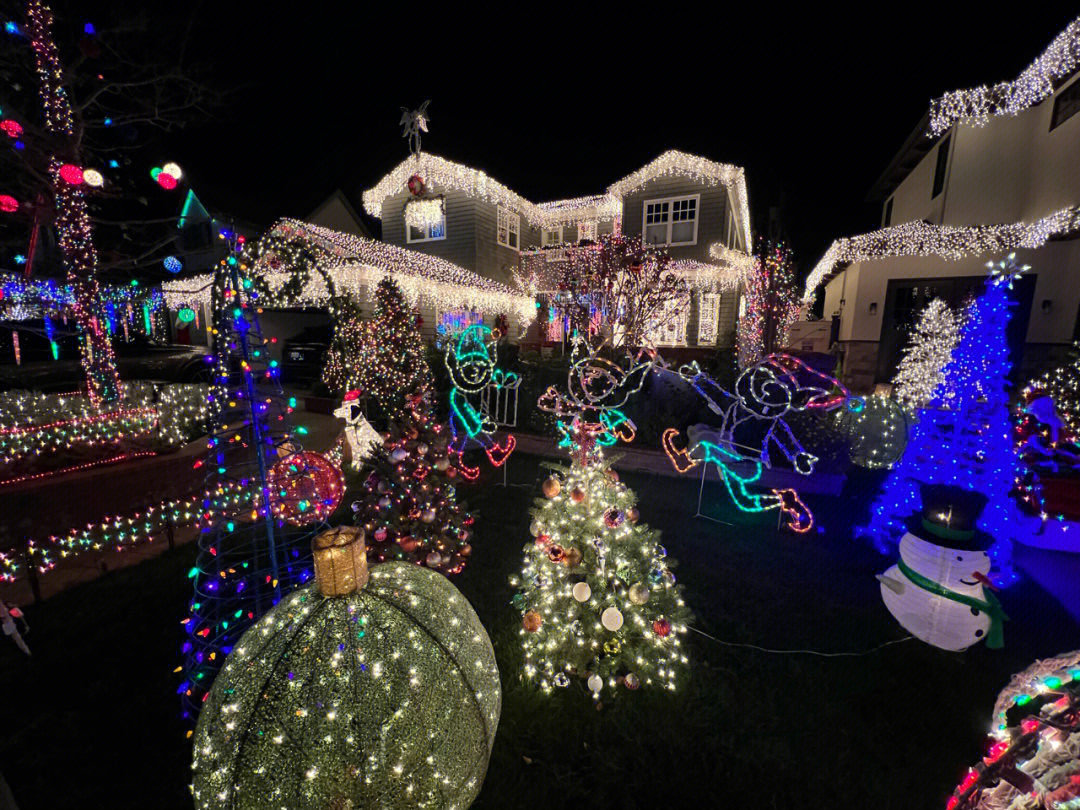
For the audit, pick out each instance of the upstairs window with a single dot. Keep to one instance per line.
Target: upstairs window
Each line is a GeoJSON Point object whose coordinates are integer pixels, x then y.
{"type": "Point", "coordinates": [1066, 105]}
{"type": "Point", "coordinates": [672, 221]}
{"type": "Point", "coordinates": [887, 219]}
{"type": "Point", "coordinates": [430, 232]}
{"type": "Point", "coordinates": [508, 229]}
{"type": "Point", "coordinates": [587, 230]}
{"type": "Point", "coordinates": [551, 236]}
{"type": "Point", "coordinates": [942, 165]}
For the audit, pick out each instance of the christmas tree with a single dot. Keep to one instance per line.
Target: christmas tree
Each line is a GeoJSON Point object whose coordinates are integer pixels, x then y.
{"type": "Point", "coordinates": [929, 350]}
{"type": "Point", "coordinates": [341, 374]}
{"type": "Point", "coordinates": [408, 506]}
{"type": "Point", "coordinates": [963, 439]}
{"type": "Point", "coordinates": [772, 304]}
{"type": "Point", "coordinates": [391, 364]}
{"type": "Point", "coordinates": [597, 595]}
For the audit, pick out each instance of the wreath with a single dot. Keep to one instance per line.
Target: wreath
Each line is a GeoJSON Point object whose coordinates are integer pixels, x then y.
{"type": "Point", "coordinates": [416, 185]}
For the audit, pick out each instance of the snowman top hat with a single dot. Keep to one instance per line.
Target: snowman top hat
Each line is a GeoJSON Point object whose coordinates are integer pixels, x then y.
{"type": "Point", "coordinates": [949, 516]}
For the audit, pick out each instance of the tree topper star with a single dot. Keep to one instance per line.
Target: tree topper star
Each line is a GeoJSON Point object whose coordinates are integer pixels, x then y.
{"type": "Point", "coordinates": [415, 122]}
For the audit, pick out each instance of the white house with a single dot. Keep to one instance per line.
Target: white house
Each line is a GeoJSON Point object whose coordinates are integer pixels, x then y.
{"type": "Point", "coordinates": [988, 171]}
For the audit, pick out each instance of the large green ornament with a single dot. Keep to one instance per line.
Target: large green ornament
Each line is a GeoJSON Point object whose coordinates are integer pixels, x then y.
{"type": "Point", "coordinates": [354, 692]}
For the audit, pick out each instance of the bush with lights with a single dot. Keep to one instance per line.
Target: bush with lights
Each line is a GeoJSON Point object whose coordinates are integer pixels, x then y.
{"type": "Point", "coordinates": [363, 690]}
{"type": "Point", "coordinates": [596, 593]}
{"type": "Point", "coordinates": [922, 369]}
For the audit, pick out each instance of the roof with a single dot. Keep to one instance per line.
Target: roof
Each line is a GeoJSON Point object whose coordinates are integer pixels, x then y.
{"type": "Point", "coordinates": [475, 183]}
{"type": "Point", "coordinates": [945, 241]}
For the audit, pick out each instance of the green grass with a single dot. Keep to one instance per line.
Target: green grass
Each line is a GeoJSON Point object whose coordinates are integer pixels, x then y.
{"type": "Point", "coordinates": [91, 720]}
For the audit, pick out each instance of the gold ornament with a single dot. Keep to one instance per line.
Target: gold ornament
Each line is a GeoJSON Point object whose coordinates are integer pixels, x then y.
{"type": "Point", "coordinates": [551, 487]}
{"type": "Point", "coordinates": [573, 558]}
{"type": "Point", "coordinates": [531, 621]}
{"type": "Point", "coordinates": [577, 494]}
{"type": "Point", "coordinates": [340, 560]}
{"type": "Point", "coordinates": [639, 593]}
{"type": "Point", "coordinates": [633, 515]}
{"type": "Point", "coordinates": [612, 646]}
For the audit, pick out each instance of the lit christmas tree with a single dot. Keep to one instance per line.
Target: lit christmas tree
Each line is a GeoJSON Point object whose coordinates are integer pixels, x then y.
{"type": "Point", "coordinates": [391, 365]}
{"type": "Point", "coordinates": [929, 350]}
{"type": "Point", "coordinates": [260, 488]}
{"type": "Point", "coordinates": [409, 508]}
{"type": "Point", "coordinates": [772, 304]}
{"type": "Point", "coordinates": [341, 374]}
{"type": "Point", "coordinates": [964, 439]}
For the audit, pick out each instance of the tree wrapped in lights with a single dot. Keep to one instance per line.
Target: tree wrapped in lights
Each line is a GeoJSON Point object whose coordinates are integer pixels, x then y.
{"type": "Point", "coordinates": [391, 365]}
{"type": "Point", "coordinates": [964, 439]}
{"type": "Point", "coordinates": [340, 372]}
{"type": "Point", "coordinates": [365, 690]}
{"type": "Point", "coordinates": [1062, 385]}
{"type": "Point", "coordinates": [772, 304]}
{"type": "Point", "coordinates": [262, 493]}
{"type": "Point", "coordinates": [408, 505]}
{"type": "Point", "coordinates": [922, 369]}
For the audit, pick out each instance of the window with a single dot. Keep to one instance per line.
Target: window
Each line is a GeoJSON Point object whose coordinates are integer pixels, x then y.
{"type": "Point", "coordinates": [587, 230]}
{"type": "Point", "coordinates": [551, 236]}
{"type": "Point", "coordinates": [887, 219]}
{"type": "Point", "coordinates": [669, 328]}
{"type": "Point", "coordinates": [942, 164]}
{"type": "Point", "coordinates": [427, 233]}
{"type": "Point", "coordinates": [709, 319]}
{"type": "Point", "coordinates": [1066, 105]}
{"type": "Point", "coordinates": [672, 221]}
{"type": "Point", "coordinates": [508, 229]}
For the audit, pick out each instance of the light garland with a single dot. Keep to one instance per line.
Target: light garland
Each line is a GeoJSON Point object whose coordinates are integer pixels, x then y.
{"type": "Point", "coordinates": [424, 213]}
{"type": "Point", "coordinates": [771, 304]}
{"type": "Point", "coordinates": [1059, 61]}
{"type": "Point", "coordinates": [946, 241]}
{"type": "Point", "coordinates": [75, 468]}
{"type": "Point", "coordinates": [598, 207]}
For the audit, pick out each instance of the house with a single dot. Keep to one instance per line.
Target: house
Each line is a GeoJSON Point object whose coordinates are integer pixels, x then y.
{"type": "Point", "coordinates": [338, 214]}
{"type": "Point", "coordinates": [696, 208]}
{"type": "Point", "coordinates": [987, 172]}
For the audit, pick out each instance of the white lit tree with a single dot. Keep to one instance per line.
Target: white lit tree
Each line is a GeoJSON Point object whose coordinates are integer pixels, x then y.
{"type": "Point", "coordinates": [928, 352]}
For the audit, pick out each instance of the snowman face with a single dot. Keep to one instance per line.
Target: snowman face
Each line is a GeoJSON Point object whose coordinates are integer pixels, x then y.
{"type": "Point", "coordinates": [950, 567]}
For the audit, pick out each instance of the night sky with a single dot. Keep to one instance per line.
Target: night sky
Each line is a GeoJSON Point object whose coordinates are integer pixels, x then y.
{"type": "Point", "coordinates": [562, 102]}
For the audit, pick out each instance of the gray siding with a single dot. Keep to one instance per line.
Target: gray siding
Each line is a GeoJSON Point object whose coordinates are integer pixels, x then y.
{"type": "Point", "coordinates": [458, 247]}
{"type": "Point", "coordinates": [712, 212]}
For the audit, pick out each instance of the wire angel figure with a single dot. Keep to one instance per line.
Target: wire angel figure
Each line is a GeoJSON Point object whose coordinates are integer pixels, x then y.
{"type": "Point", "coordinates": [414, 122]}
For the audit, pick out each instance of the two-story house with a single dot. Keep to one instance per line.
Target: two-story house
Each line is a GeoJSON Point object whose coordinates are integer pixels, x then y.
{"type": "Point", "coordinates": [987, 172]}
{"type": "Point", "coordinates": [696, 208]}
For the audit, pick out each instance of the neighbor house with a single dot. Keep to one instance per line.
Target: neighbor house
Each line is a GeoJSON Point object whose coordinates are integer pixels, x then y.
{"type": "Point", "coordinates": [987, 172]}
{"type": "Point", "coordinates": [696, 208]}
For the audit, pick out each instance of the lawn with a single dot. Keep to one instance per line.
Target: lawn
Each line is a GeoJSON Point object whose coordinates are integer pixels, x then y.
{"type": "Point", "coordinates": [91, 720]}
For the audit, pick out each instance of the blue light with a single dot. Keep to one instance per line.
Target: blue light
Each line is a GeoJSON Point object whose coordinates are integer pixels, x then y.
{"type": "Point", "coordinates": [12, 27]}
{"type": "Point", "coordinates": [107, 122]}
{"type": "Point", "coordinates": [89, 30]}
{"type": "Point", "coordinates": [173, 264]}
{"type": "Point", "coordinates": [114, 164]}
{"type": "Point", "coordinates": [19, 259]}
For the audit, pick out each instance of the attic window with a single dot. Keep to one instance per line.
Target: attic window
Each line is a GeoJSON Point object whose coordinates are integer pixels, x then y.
{"type": "Point", "coordinates": [508, 230]}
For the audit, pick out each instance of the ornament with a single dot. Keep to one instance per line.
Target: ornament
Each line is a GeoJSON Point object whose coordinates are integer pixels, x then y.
{"type": "Point", "coordinates": [173, 170]}
{"type": "Point", "coordinates": [582, 591]}
{"type": "Point", "coordinates": [531, 621]}
{"type": "Point", "coordinates": [428, 515]}
{"type": "Point", "coordinates": [561, 680]}
{"type": "Point", "coordinates": [408, 543]}
{"type": "Point", "coordinates": [612, 619]}
{"type": "Point", "coordinates": [93, 178]}
{"type": "Point", "coordinates": [612, 475]}
{"type": "Point", "coordinates": [441, 464]}
{"type": "Point", "coordinates": [639, 593]}
{"type": "Point", "coordinates": [577, 495]}
{"type": "Point", "coordinates": [434, 559]}
{"type": "Point", "coordinates": [613, 518]}
{"type": "Point", "coordinates": [8, 204]}
{"type": "Point", "coordinates": [71, 174]}
{"type": "Point", "coordinates": [573, 558]}
{"type": "Point", "coordinates": [612, 646]}
{"type": "Point", "coordinates": [543, 541]}
{"type": "Point", "coordinates": [662, 627]}
{"type": "Point", "coordinates": [399, 454]}
{"type": "Point", "coordinates": [380, 534]}
{"type": "Point", "coordinates": [384, 502]}
{"type": "Point", "coordinates": [535, 529]}
{"type": "Point", "coordinates": [308, 673]}
{"type": "Point", "coordinates": [633, 515]}
{"type": "Point", "coordinates": [304, 488]}
{"type": "Point", "coordinates": [595, 683]}
{"type": "Point", "coordinates": [551, 487]}
{"type": "Point", "coordinates": [631, 681]}
{"type": "Point", "coordinates": [422, 449]}
{"type": "Point", "coordinates": [556, 554]}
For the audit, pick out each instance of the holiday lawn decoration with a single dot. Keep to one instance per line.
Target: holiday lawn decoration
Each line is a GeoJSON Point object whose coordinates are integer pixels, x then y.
{"type": "Point", "coordinates": [963, 438]}
{"type": "Point", "coordinates": [363, 690]}
{"type": "Point", "coordinates": [877, 433]}
{"type": "Point", "coordinates": [408, 505]}
{"type": "Point", "coordinates": [942, 593]}
{"type": "Point", "coordinates": [471, 363]}
{"type": "Point", "coordinates": [1032, 758]}
{"type": "Point", "coordinates": [360, 436]}
{"type": "Point", "coordinates": [753, 425]}
{"type": "Point", "coordinates": [305, 487]}
{"type": "Point", "coordinates": [922, 369]}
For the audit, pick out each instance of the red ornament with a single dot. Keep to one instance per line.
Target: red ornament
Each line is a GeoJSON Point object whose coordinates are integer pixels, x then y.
{"type": "Point", "coordinates": [166, 181]}
{"type": "Point", "coordinates": [13, 129]}
{"type": "Point", "coordinates": [71, 174]}
{"type": "Point", "coordinates": [662, 627]}
{"type": "Point", "coordinates": [8, 204]}
{"type": "Point", "coordinates": [408, 543]}
{"type": "Point", "coordinates": [305, 488]}
{"type": "Point", "coordinates": [556, 554]}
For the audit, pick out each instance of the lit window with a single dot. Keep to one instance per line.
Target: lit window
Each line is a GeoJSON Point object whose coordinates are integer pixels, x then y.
{"type": "Point", "coordinates": [709, 319]}
{"type": "Point", "coordinates": [587, 230]}
{"type": "Point", "coordinates": [551, 236]}
{"type": "Point", "coordinates": [508, 230]}
{"type": "Point", "coordinates": [428, 233]}
{"type": "Point", "coordinates": [672, 221]}
{"type": "Point", "coordinates": [669, 326]}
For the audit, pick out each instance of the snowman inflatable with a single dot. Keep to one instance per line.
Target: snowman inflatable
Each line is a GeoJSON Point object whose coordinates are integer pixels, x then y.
{"type": "Point", "coordinates": [942, 594]}
{"type": "Point", "coordinates": [361, 437]}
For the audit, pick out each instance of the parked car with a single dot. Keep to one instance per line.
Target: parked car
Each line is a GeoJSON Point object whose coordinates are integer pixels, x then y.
{"type": "Point", "coordinates": [303, 355]}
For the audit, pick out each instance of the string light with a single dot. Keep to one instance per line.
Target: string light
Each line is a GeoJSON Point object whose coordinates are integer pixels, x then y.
{"type": "Point", "coordinates": [922, 369]}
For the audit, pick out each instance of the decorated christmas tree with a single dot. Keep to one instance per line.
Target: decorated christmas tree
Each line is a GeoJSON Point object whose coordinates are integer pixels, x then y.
{"type": "Point", "coordinates": [341, 374]}
{"type": "Point", "coordinates": [261, 492]}
{"type": "Point", "coordinates": [391, 362]}
{"type": "Point", "coordinates": [963, 438]}
{"type": "Point", "coordinates": [408, 505]}
{"type": "Point", "coordinates": [922, 370]}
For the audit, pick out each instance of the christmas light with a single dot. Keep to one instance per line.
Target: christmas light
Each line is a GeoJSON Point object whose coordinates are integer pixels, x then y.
{"type": "Point", "coordinates": [8, 204]}
{"type": "Point", "coordinates": [471, 364]}
{"type": "Point", "coordinates": [93, 178]}
{"type": "Point", "coordinates": [771, 304]}
{"type": "Point", "coordinates": [424, 214]}
{"type": "Point", "coordinates": [922, 369]}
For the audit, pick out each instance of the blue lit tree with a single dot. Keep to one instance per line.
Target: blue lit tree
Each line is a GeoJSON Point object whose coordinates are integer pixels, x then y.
{"type": "Point", "coordinates": [964, 437]}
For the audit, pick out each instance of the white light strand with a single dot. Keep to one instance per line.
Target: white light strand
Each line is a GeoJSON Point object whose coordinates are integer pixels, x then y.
{"type": "Point", "coordinates": [425, 213]}
{"type": "Point", "coordinates": [742, 262]}
{"type": "Point", "coordinates": [946, 241]}
{"type": "Point", "coordinates": [599, 207]}
{"type": "Point", "coordinates": [1032, 86]}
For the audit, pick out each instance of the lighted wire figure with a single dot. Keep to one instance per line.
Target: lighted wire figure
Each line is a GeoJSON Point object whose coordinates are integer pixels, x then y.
{"type": "Point", "coordinates": [764, 394]}
{"type": "Point", "coordinates": [596, 388]}
{"type": "Point", "coordinates": [471, 363]}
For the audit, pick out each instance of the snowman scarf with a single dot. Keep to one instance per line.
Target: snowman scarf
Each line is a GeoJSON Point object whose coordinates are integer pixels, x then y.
{"type": "Point", "coordinates": [995, 639]}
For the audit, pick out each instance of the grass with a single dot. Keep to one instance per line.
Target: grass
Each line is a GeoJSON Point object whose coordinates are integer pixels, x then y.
{"type": "Point", "coordinates": [91, 719]}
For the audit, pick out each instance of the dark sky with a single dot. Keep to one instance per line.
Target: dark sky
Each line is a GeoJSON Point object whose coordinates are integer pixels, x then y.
{"type": "Point", "coordinates": [812, 100]}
